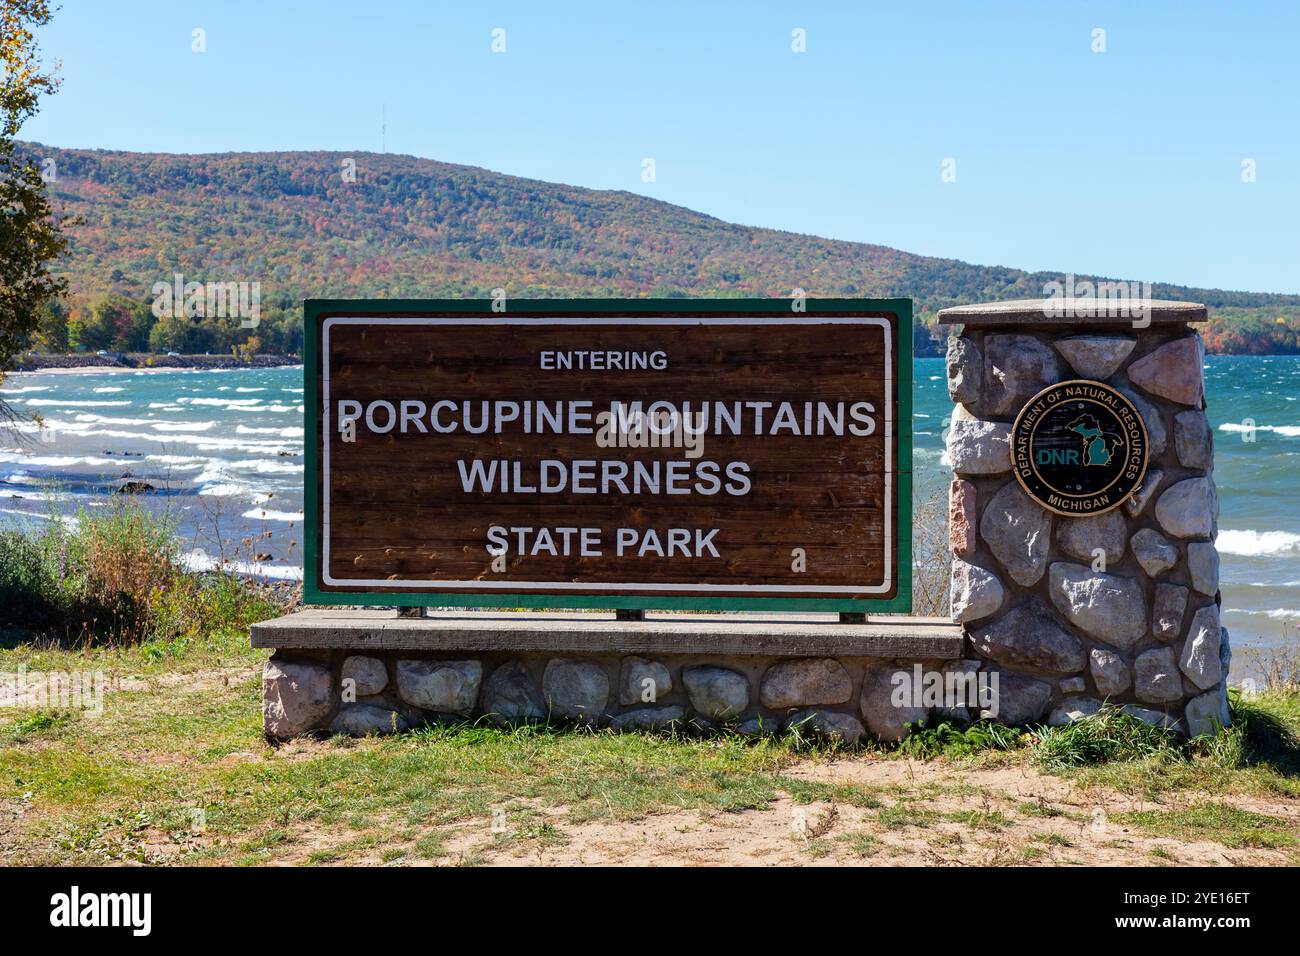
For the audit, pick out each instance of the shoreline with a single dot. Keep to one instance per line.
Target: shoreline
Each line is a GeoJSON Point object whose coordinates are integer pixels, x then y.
{"type": "Point", "coordinates": [145, 362]}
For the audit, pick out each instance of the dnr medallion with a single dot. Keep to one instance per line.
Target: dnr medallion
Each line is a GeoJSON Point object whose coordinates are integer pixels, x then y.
{"type": "Point", "coordinates": [1079, 448]}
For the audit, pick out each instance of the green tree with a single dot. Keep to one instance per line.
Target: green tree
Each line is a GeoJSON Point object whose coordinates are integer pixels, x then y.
{"type": "Point", "coordinates": [118, 323]}
{"type": "Point", "coordinates": [52, 327]}
{"type": "Point", "coordinates": [78, 317]}
{"type": "Point", "coordinates": [170, 334]}
{"type": "Point", "coordinates": [30, 235]}
{"type": "Point", "coordinates": [96, 326]}
{"type": "Point", "coordinates": [142, 323]}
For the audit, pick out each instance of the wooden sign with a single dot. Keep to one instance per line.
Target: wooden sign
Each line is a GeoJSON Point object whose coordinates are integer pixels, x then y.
{"type": "Point", "coordinates": [675, 453]}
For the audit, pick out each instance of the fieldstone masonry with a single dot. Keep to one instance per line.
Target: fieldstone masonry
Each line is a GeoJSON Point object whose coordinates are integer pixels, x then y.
{"type": "Point", "coordinates": [369, 671]}
{"type": "Point", "coordinates": [1119, 608]}
{"type": "Point", "coordinates": [847, 698]}
{"type": "Point", "coordinates": [1070, 613]}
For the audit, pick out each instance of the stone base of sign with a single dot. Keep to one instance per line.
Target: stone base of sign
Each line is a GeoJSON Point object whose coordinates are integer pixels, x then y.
{"type": "Point", "coordinates": [369, 671]}
{"type": "Point", "coordinates": [1121, 607]}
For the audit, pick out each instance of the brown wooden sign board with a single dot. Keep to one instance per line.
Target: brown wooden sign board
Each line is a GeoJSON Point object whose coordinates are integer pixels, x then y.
{"type": "Point", "coordinates": [643, 453]}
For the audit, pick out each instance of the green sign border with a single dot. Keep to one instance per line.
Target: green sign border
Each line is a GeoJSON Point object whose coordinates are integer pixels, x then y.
{"type": "Point", "coordinates": [316, 310]}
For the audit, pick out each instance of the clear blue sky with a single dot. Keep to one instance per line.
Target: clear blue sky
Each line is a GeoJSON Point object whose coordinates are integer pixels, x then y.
{"type": "Point", "coordinates": [1126, 163]}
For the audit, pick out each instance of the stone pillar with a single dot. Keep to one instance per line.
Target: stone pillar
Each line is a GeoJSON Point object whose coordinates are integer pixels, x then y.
{"type": "Point", "coordinates": [1121, 606]}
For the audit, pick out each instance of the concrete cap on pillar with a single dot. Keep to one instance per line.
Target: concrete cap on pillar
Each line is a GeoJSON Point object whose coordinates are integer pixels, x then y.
{"type": "Point", "coordinates": [1100, 311]}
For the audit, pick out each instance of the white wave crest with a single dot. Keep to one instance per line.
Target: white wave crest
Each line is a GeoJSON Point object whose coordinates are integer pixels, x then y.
{"type": "Point", "coordinates": [1252, 543]}
{"type": "Point", "coordinates": [223, 402]}
{"type": "Point", "coordinates": [78, 403]}
{"type": "Point", "coordinates": [265, 467]}
{"type": "Point", "coordinates": [1286, 431]}
{"type": "Point", "coordinates": [199, 560]}
{"type": "Point", "coordinates": [58, 461]}
{"type": "Point", "coordinates": [183, 426]}
{"type": "Point", "coordinates": [291, 432]}
{"type": "Point", "coordinates": [267, 514]}
{"type": "Point", "coordinates": [228, 489]}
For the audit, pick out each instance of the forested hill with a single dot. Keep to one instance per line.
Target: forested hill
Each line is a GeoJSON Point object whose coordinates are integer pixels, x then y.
{"type": "Point", "coordinates": [409, 227]}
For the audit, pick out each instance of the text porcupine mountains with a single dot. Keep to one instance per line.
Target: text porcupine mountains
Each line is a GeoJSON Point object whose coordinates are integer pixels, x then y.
{"type": "Point", "coordinates": [416, 228]}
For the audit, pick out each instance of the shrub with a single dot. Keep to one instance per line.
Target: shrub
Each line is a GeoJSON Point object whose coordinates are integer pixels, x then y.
{"type": "Point", "coordinates": [121, 564]}
{"type": "Point", "coordinates": [116, 578]}
{"type": "Point", "coordinates": [29, 582]}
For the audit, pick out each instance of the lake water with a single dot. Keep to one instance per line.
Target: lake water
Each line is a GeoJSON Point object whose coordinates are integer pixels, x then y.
{"type": "Point", "coordinates": [224, 448]}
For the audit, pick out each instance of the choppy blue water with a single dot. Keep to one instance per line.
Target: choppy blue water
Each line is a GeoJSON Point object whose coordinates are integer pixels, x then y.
{"type": "Point", "coordinates": [222, 448]}
{"type": "Point", "coordinates": [225, 450]}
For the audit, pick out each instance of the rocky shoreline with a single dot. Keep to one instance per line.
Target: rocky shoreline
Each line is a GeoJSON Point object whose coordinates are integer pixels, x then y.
{"type": "Point", "coordinates": [146, 360]}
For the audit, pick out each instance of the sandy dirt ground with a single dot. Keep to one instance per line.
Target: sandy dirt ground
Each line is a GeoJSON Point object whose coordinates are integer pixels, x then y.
{"type": "Point", "coordinates": [933, 815]}
{"type": "Point", "coordinates": [899, 812]}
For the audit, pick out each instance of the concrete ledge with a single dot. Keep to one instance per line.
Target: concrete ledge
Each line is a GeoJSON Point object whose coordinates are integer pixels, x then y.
{"type": "Point", "coordinates": [767, 635]}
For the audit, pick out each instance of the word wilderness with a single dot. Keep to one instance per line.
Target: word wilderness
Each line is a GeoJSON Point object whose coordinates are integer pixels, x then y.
{"type": "Point", "coordinates": [609, 454]}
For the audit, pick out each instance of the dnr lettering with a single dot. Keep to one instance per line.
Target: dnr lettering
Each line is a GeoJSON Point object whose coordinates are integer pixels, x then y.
{"type": "Point", "coordinates": [1053, 456]}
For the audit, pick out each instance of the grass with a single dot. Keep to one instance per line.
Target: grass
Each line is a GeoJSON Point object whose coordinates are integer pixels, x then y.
{"type": "Point", "coordinates": [122, 810]}
{"type": "Point", "coordinates": [125, 788]}
{"type": "Point", "coordinates": [36, 722]}
{"type": "Point", "coordinates": [809, 791]}
{"type": "Point", "coordinates": [1040, 808]}
{"type": "Point", "coordinates": [861, 845]}
{"type": "Point", "coordinates": [122, 787]}
{"type": "Point", "coordinates": [906, 814]}
{"type": "Point", "coordinates": [1214, 822]}
{"type": "Point", "coordinates": [980, 819]}
{"type": "Point", "coordinates": [184, 737]}
{"type": "Point", "coordinates": [1055, 839]}
{"type": "Point", "coordinates": [176, 769]}
{"type": "Point", "coordinates": [955, 741]}
{"type": "Point", "coordinates": [1107, 736]}
{"type": "Point", "coordinates": [1259, 754]}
